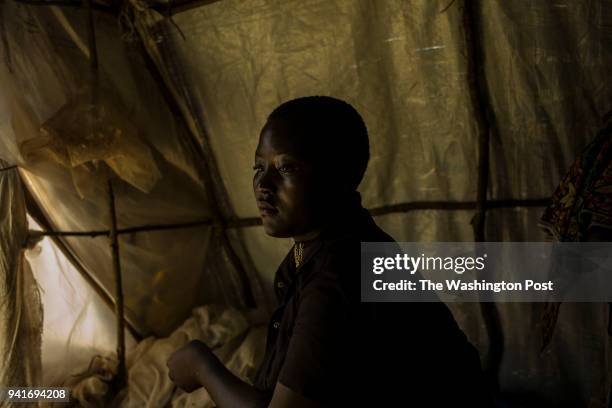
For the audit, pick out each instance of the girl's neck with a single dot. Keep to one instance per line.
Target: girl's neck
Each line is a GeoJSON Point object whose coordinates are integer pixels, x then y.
{"type": "Point", "coordinates": [309, 236]}
{"type": "Point", "coordinates": [339, 208]}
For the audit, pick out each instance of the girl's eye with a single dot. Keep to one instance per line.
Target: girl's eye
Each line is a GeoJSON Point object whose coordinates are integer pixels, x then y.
{"type": "Point", "coordinates": [257, 168]}
{"type": "Point", "coordinates": [286, 169]}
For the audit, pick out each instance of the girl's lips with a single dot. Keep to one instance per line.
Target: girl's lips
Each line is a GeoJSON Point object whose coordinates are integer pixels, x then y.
{"type": "Point", "coordinates": [264, 204]}
{"type": "Point", "coordinates": [267, 211]}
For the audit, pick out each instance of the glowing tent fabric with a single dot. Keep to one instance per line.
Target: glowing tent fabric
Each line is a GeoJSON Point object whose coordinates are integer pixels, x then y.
{"type": "Point", "coordinates": [20, 310]}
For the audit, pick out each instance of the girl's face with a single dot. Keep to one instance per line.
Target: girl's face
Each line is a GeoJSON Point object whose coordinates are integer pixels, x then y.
{"type": "Point", "coordinates": [288, 195]}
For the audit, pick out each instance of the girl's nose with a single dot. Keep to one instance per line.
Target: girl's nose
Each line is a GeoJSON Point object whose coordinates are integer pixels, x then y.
{"type": "Point", "coordinates": [266, 181]}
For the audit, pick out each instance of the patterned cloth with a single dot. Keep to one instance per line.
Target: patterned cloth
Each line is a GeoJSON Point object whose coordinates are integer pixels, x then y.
{"type": "Point", "coordinates": [583, 200]}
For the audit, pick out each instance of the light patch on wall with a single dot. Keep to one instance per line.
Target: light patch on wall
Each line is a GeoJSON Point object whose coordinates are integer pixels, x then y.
{"type": "Point", "coordinates": [77, 323]}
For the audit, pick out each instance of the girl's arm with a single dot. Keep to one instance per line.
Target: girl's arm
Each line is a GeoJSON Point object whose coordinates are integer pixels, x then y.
{"type": "Point", "coordinates": [196, 366]}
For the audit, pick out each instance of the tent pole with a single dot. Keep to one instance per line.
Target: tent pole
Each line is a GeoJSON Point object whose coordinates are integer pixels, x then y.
{"type": "Point", "coordinates": [121, 379]}
{"type": "Point", "coordinates": [236, 223]}
{"type": "Point", "coordinates": [483, 113]}
{"type": "Point", "coordinates": [67, 3]}
{"type": "Point", "coordinates": [36, 212]}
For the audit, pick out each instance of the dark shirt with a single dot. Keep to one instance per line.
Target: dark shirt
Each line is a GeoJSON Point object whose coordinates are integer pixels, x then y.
{"type": "Point", "coordinates": [325, 344]}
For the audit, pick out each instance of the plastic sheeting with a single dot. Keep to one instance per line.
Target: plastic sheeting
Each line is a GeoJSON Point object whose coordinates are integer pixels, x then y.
{"type": "Point", "coordinates": [402, 65]}
{"type": "Point", "coordinates": [77, 323]}
{"type": "Point", "coordinates": [165, 273]}
{"type": "Point", "coordinates": [20, 308]}
{"type": "Point", "coordinates": [78, 135]}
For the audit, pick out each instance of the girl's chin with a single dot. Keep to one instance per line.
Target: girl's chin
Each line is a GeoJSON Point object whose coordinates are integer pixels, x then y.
{"type": "Point", "coordinates": [275, 230]}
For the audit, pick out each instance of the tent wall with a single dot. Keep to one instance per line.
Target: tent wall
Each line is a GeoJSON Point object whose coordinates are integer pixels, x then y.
{"type": "Point", "coordinates": [21, 313]}
{"type": "Point", "coordinates": [403, 66]}
{"type": "Point", "coordinates": [165, 274]}
{"type": "Point", "coordinates": [198, 91]}
{"type": "Point", "coordinates": [77, 323]}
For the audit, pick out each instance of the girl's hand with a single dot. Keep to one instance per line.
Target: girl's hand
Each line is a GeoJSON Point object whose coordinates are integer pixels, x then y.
{"type": "Point", "coordinates": [185, 365]}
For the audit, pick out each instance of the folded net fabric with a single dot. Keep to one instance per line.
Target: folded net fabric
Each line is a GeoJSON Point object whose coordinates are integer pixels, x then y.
{"type": "Point", "coordinates": [20, 307]}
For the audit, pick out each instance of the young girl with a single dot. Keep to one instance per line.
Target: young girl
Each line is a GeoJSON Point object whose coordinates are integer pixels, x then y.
{"type": "Point", "coordinates": [325, 347]}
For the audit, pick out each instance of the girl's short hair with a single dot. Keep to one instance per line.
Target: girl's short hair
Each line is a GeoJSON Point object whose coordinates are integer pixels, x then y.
{"type": "Point", "coordinates": [334, 124]}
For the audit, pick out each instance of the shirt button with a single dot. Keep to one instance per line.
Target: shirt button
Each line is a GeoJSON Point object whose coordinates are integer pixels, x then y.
{"type": "Point", "coordinates": [280, 285]}
{"type": "Point", "coordinates": [276, 325]}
